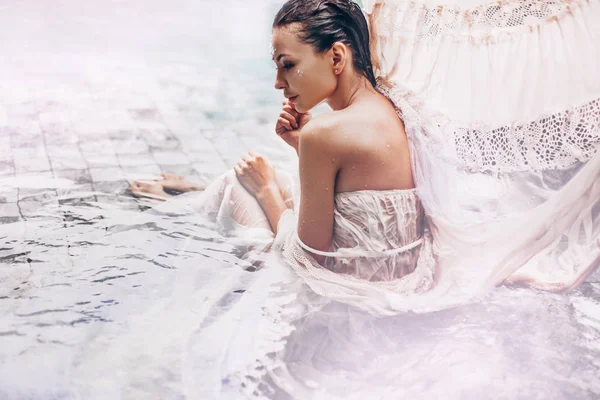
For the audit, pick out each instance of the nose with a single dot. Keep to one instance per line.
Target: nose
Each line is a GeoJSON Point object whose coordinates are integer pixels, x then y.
{"type": "Point", "coordinates": [279, 83]}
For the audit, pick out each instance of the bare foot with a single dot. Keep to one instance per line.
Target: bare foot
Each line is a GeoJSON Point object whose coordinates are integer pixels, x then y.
{"type": "Point", "coordinates": [149, 190]}
{"type": "Point", "coordinates": [178, 183]}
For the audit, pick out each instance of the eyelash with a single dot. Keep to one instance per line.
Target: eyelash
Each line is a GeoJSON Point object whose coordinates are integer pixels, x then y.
{"type": "Point", "coordinates": [287, 67]}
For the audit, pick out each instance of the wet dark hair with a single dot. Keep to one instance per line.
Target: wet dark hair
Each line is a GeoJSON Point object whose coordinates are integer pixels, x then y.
{"type": "Point", "coordinates": [324, 22]}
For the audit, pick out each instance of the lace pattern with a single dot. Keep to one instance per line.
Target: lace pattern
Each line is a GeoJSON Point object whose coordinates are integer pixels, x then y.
{"type": "Point", "coordinates": [424, 21]}
{"type": "Point", "coordinates": [555, 141]}
{"type": "Point", "coordinates": [558, 140]}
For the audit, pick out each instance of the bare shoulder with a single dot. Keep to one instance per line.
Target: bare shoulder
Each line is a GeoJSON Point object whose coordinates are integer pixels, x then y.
{"type": "Point", "coordinates": [322, 130]}
{"type": "Point", "coordinates": [354, 127]}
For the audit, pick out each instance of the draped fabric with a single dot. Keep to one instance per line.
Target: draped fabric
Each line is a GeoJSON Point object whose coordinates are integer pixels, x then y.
{"type": "Point", "coordinates": [501, 103]}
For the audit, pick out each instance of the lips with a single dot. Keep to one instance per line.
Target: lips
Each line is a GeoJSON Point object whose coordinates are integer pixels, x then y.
{"type": "Point", "coordinates": [292, 98]}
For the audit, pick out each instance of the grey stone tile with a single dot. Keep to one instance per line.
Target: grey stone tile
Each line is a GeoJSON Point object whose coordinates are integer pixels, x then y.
{"type": "Point", "coordinates": [3, 116]}
{"type": "Point", "coordinates": [77, 191]}
{"type": "Point", "coordinates": [27, 142]}
{"type": "Point", "coordinates": [7, 168]}
{"type": "Point", "coordinates": [23, 110]}
{"type": "Point", "coordinates": [6, 154]}
{"type": "Point", "coordinates": [60, 135]}
{"type": "Point", "coordinates": [9, 196]}
{"type": "Point", "coordinates": [9, 210]}
{"type": "Point", "coordinates": [101, 160]}
{"type": "Point", "coordinates": [98, 145]}
{"type": "Point", "coordinates": [30, 160]}
{"type": "Point", "coordinates": [132, 145]}
{"type": "Point", "coordinates": [212, 168]}
{"type": "Point", "coordinates": [41, 195]}
{"type": "Point", "coordinates": [74, 200]}
{"type": "Point", "coordinates": [79, 176]}
{"type": "Point", "coordinates": [9, 220]}
{"type": "Point", "coordinates": [135, 160]}
{"type": "Point", "coordinates": [5, 139]}
{"type": "Point", "coordinates": [165, 158]}
{"type": "Point", "coordinates": [107, 174]}
{"type": "Point", "coordinates": [186, 170]}
{"type": "Point", "coordinates": [146, 114]}
{"type": "Point", "coordinates": [157, 138]}
{"type": "Point", "coordinates": [116, 187]}
{"type": "Point", "coordinates": [141, 172]}
{"type": "Point", "coordinates": [62, 116]}
{"type": "Point", "coordinates": [66, 157]}
{"type": "Point", "coordinates": [33, 207]}
{"type": "Point", "coordinates": [26, 128]}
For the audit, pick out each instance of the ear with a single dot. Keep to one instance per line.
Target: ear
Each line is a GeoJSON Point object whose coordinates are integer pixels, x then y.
{"type": "Point", "coordinates": [339, 56]}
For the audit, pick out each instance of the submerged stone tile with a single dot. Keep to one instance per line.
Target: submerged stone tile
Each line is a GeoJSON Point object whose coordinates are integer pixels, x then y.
{"type": "Point", "coordinates": [66, 157]}
{"type": "Point", "coordinates": [135, 160]}
{"type": "Point", "coordinates": [99, 145]}
{"type": "Point", "coordinates": [36, 194]}
{"type": "Point", "coordinates": [77, 191]}
{"type": "Point", "coordinates": [115, 187]}
{"type": "Point", "coordinates": [133, 145]}
{"type": "Point", "coordinates": [9, 210]}
{"type": "Point", "coordinates": [101, 160]}
{"type": "Point", "coordinates": [30, 161]}
{"type": "Point", "coordinates": [35, 208]}
{"type": "Point", "coordinates": [107, 174]}
{"type": "Point", "coordinates": [7, 168]}
{"type": "Point", "coordinates": [141, 172]}
{"type": "Point", "coordinates": [79, 176]}
{"type": "Point", "coordinates": [164, 158]}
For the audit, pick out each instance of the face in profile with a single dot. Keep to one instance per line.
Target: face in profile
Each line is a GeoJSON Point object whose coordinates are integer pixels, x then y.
{"type": "Point", "coordinates": [305, 76]}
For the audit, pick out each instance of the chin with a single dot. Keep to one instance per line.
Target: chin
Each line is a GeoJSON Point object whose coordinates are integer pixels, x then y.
{"type": "Point", "coordinates": [302, 108]}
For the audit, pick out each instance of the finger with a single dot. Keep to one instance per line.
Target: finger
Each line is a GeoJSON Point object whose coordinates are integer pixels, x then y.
{"type": "Point", "coordinates": [291, 113]}
{"type": "Point", "coordinates": [248, 158]}
{"type": "Point", "coordinates": [290, 109]}
{"type": "Point", "coordinates": [285, 123]}
{"type": "Point", "coordinates": [237, 170]}
{"type": "Point", "coordinates": [242, 164]}
{"type": "Point", "coordinates": [290, 118]}
{"type": "Point", "coordinates": [255, 155]}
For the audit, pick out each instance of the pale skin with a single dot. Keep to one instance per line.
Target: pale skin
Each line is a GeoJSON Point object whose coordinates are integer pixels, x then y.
{"type": "Point", "coordinates": [361, 145]}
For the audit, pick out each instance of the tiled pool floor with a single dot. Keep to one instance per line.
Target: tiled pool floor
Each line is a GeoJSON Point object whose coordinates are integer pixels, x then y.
{"type": "Point", "coordinates": [106, 92]}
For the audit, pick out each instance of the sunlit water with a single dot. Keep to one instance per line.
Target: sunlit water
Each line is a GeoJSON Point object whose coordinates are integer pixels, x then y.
{"type": "Point", "coordinates": [99, 300]}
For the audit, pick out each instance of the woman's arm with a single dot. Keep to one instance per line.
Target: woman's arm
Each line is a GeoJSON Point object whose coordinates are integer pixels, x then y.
{"type": "Point", "coordinates": [259, 179]}
{"type": "Point", "coordinates": [272, 203]}
{"type": "Point", "coordinates": [319, 165]}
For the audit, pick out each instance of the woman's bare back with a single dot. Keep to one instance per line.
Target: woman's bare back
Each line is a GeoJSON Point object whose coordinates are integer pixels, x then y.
{"type": "Point", "coordinates": [370, 141]}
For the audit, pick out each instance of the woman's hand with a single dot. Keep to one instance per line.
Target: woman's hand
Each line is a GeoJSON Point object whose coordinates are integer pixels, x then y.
{"type": "Point", "coordinates": [290, 122]}
{"type": "Point", "coordinates": [256, 175]}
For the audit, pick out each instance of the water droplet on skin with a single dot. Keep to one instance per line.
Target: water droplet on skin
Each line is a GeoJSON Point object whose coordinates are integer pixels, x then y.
{"type": "Point", "coordinates": [353, 167]}
{"type": "Point", "coordinates": [388, 146]}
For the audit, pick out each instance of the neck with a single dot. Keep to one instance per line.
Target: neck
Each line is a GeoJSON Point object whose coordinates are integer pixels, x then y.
{"type": "Point", "coordinates": [351, 88]}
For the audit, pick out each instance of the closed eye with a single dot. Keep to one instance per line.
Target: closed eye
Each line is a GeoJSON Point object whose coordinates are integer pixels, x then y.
{"type": "Point", "coordinates": [287, 67]}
